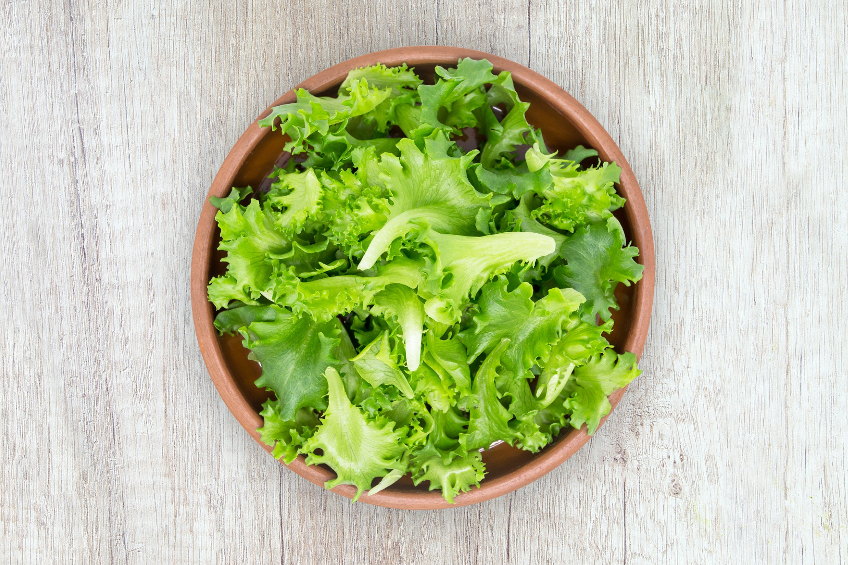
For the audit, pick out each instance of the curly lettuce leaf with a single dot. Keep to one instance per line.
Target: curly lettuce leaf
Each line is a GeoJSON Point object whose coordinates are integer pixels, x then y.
{"type": "Point", "coordinates": [551, 419]}
{"type": "Point", "coordinates": [513, 180]}
{"type": "Point", "coordinates": [352, 208]}
{"type": "Point", "coordinates": [379, 76]}
{"type": "Point", "coordinates": [577, 197]}
{"type": "Point", "coordinates": [449, 104]}
{"type": "Point", "coordinates": [286, 436]}
{"type": "Point", "coordinates": [401, 82]}
{"type": "Point", "coordinates": [237, 317]}
{"type": "Point", "coordinates": [579, 344]}
{"type": "Point", "coordinates": [325, 298]}
{"type": "Point", "coordinates": [525, 222]}
{"type": "Point", "coordinates": [425, 185]}
{"type": "Point", "coordinates": [466, 263]}
{"type": "Point", "coordinates": [411, 416]}
{"type": "Point", "coordinates": [501, 169]}
{"type": "Point", "coordinates": [597, 261]}
{"type": "Point", "coordinates": [401, 303]}
{"type": "Point", "coordinates": [235, 197]}
{"type": "Point", "coordinates": [458, 476]}
{"type": "Point", "coordinates": [294, 352]}
{"type": "Point", "coordinates": [590, 385]}
{"type": "Point", "coordinates": [305, 260]}
{"type": "Point", "coordinates": [356, 449]}
{"type": "Point", "coordinates": [504, 136]}
{"type": "Point", "coordinates": [430, 386]}
{"type": "Point", "coordinates": [523, 406]}
{"type": "Point", "coordinates": [448, 359]}
{"type": "Point", "coordinates": [376, 365]}
{"type": "Point", "coordinates": [225, 291]}
{"type": "Point", "coordinates": [297, 196]}
{"type": "Point", "coordinates": [313, 116]}
{"type": "Point", "coordinates": [443, 461]}
{"type": "Point", "coordinates": [531, 327]}
{"type": "Point", "coordinates": [249, 236]}
{"type": "Point", "coordinates": [448, 426]}
{"type": "Point", "coordinates": [578, 155]}
{"type": "Point", "coordinates": [489, 420]}
{"type": "Point", "coordinates": [334, 150]}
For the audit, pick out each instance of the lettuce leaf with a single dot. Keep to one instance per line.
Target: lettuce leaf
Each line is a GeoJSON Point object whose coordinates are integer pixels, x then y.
{"type": "Point", "coordinates": [286, 436]}
{"type": "Point", "coordinates": [577, 346]}
{"type": "Point", "coordinates": [596, 261]}
{"type": "Point", "coordinates": [401, 82]}
{"type": "Point", "coordinates": [352, 210]}
{"type": "Point", "coordinates": [402, 304]}
{"type": "Point", "coordinates": [515, 180]}
{"type": "Point", "coordinates": [358, 450]}
{"type": "Point", "coordinates": [577, 197]}
{"type": "Point", "coordinates": [298, 196]}
{"type": "Point", "coordinates": [375, 364]}
{"type": "Point", "coordinates": [531, 327]}
{"type": "Point", "coordinates": [489, 420]}
{"type": "Point", "coordinates": [523, 406]}
{"type": "Point", "coordinates": [248, 236]}
{"type": "Point", "coordinates": [448, 359]}
{"type": "Point", "coordinates": [453, 478]}
{"type": "Point", "coordinates": [313, 116]}
{"type": "Point", "coordinates": [226, 204]}
{"type": "Point", "coordinates": [524, 221]}
{"type": "Point", "coordinates": [294, 352]}
{"type": "Point", "coordinates": [237, 317]}
{"type": "Point", "coordinates": [325, 298]}
{"type": "Point", "coordinates": [443, 461]}
{"type": "Point", "coordinates": [456, 95]}
{"type": "Point", "coordinates": [428, 185]}
{"type": "Point", "coordinates": [587, 391]}
{"type": "Point", "coordinates": [430, 386]}
{"type": "Point", "coordinates": [465, 264]}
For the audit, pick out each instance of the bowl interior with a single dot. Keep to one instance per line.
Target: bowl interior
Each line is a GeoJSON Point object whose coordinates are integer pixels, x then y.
{"type": "Point", "coordinates": [560, 134]}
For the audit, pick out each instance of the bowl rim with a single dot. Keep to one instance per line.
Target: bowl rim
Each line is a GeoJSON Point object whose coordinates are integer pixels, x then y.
{"type": "Point", "coordinates": [597, 137]}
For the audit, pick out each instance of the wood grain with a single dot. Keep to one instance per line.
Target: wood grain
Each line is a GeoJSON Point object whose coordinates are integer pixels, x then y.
{"type": "Point", "coordinates": [730, 448]}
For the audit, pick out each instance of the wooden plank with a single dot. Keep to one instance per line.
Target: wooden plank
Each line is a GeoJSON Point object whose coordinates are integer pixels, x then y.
{"type": "Point", "coordinates": [732, 441]}
{"type": "Point", "coordinates": [729, 448]}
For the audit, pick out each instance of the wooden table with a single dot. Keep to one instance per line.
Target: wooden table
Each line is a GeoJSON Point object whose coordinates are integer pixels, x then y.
{"type": "Point", "coordinates": [730, 448]}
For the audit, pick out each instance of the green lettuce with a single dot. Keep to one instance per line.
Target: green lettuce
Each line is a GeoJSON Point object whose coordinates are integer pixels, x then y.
{"type": "Point", "coordinates": [429, 185]}
{"type": "Point", "coordinates": [413, 300]}
{"type": "Point", "coordinates": [249, 237]}
{"type": "Point", "coordinates": [596, 261]}
{"type": "Point", "coordinates": [345, 436]}
{"type": "Point", "coordinates": [294, 352]}
{"type": "Point", "coordinates": [531, 327]}
{"type": "Point", "coordinates": [587, 391]}
{"type": "Point", "coordinates": [464, 264]}
{"type": "Point", "coordinates": [489, 419]}
{"type": "Point", "coordinates": [401, 304]}
{"type": "Point", "coordinates": [311, 118]}
{"type": "Point", "coordinates": [375, 365]}
{"type": "Point", "coordinates": [576, 197]}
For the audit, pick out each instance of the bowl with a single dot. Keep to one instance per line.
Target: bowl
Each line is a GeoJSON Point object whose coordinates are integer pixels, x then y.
{"type": "Point", "coordinates": [565, 123]}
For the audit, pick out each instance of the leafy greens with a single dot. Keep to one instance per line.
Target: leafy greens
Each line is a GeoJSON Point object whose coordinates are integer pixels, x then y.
{"type": "Point", "coordinates": [411, 301]}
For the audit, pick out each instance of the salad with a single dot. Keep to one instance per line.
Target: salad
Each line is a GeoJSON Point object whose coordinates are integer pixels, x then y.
{"type": "Point", "coordinates": [413, 300]}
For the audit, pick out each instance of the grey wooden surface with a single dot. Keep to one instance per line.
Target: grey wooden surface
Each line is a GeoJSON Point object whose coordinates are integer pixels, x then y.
{"type": "Point", "coordinates": [730, 448]}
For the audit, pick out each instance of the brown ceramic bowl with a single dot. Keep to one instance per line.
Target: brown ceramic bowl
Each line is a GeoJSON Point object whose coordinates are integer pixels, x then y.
{"type": "Point", "coordinates": [565, 123]}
